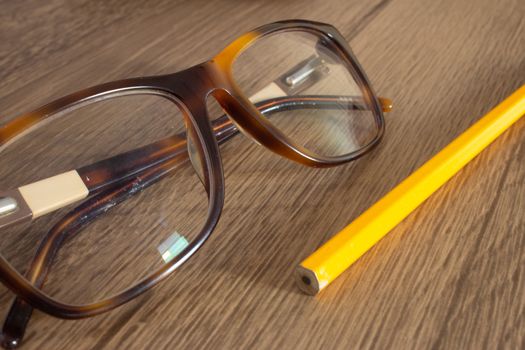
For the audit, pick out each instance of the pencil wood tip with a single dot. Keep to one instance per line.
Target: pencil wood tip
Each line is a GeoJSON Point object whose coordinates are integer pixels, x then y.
{"type": "Point", "coordinates": [306, 280]}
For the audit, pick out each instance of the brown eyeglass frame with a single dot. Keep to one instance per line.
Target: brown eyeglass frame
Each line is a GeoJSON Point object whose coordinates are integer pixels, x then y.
{"type": "Point", "coordinates": [112, 180]}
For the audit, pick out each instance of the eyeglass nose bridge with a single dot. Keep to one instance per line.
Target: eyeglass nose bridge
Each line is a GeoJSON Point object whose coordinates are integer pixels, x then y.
{"type": "Point", "coordinates": [209, 78]}
{"type": "Point", "coordinates": [251, 123]}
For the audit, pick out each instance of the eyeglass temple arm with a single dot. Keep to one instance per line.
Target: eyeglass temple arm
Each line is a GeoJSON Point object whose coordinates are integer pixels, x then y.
{"type": "Point", "coordinates": [132, 172]}
{"type": "Point", "coordinates": [53, 193]}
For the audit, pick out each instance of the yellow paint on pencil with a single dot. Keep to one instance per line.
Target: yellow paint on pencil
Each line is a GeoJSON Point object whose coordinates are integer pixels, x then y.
{"type": "Point", "coordinates": [341, 251]}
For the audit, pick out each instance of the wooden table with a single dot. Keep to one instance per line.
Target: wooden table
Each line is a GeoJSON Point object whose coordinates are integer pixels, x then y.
{"type": "Point", "coordinates": [449, 277]}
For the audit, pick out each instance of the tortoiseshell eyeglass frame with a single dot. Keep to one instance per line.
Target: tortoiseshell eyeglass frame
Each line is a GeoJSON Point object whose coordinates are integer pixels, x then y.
{"type": "Point", "coordinates": [117, 178]}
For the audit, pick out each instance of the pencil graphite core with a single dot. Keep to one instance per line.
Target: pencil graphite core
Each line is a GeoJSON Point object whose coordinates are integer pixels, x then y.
{"type": "Point", "coordinates": [335, 256]}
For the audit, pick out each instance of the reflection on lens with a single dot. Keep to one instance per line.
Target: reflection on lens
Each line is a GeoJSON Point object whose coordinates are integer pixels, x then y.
{"type": "Point", "coordinates": [119, 236]}
{"type": "Point", "coordinates": [327, 112]}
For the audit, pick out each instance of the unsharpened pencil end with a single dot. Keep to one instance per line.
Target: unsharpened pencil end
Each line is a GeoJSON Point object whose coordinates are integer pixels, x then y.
{"type": "Point", "coordinates": [306, 280]}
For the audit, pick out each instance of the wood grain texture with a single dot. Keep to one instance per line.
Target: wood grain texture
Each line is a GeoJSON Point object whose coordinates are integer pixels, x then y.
{"type": "Point", "coordinates": [449, 277]}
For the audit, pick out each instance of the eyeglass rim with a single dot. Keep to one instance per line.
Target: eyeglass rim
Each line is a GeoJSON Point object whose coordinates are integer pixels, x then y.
{"type": "Point", "coordinates": [218, 71]}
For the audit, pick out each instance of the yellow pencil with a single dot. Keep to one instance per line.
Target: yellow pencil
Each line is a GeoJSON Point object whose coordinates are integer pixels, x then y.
{"type": "Point", "coordinates": [342, 250]}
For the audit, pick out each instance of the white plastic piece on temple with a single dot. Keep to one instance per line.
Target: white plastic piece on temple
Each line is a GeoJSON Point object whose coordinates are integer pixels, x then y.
{"type": "Point", "coordinates": [53, 193]}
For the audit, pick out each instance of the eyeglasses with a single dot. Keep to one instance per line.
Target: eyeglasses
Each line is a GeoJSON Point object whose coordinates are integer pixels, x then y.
{"type": "Point", "coordinates": [122, 182]}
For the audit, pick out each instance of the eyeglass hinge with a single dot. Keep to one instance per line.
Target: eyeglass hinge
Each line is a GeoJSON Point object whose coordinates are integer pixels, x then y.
{"type": "Point", "coordinates": [303, 75]}
{"type": "Point", "coordinates": [13, 208]}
